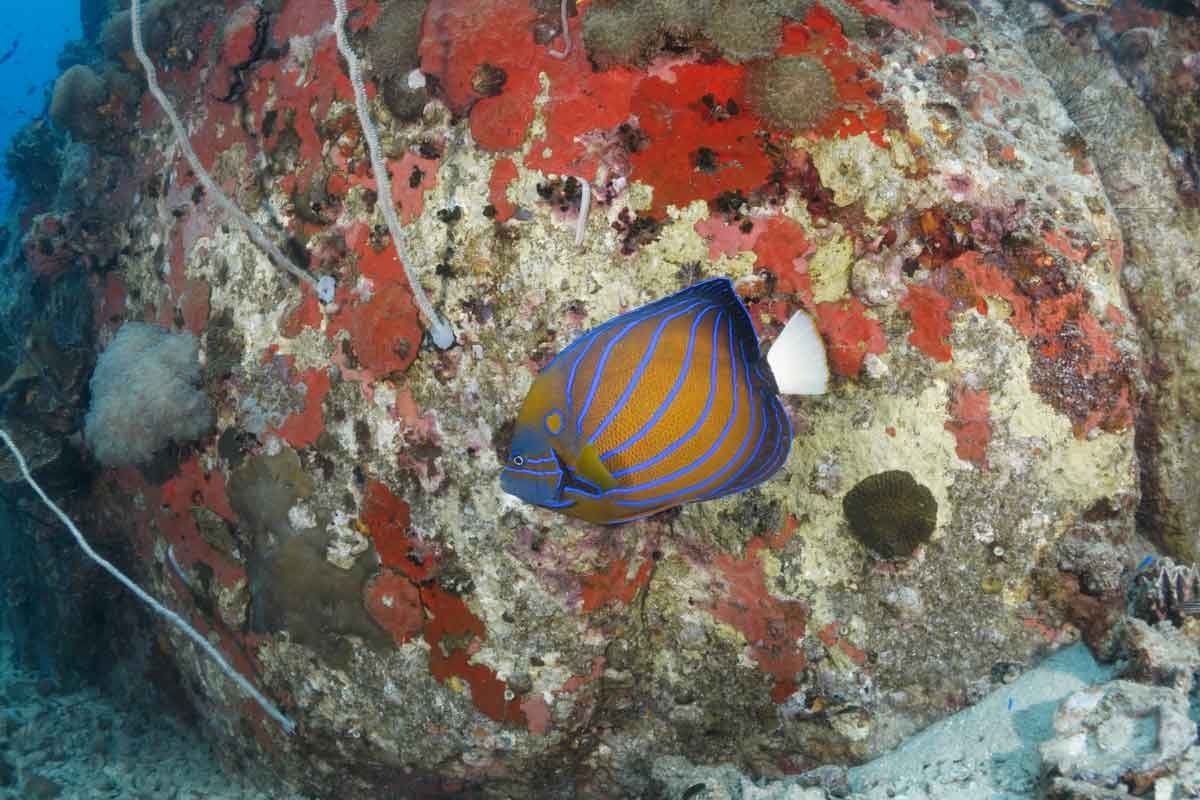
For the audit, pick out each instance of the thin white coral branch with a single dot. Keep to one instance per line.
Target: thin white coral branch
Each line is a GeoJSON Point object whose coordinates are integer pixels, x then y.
{"type": "Point", "coordinates": [286, 723]}
{"type": "Point", "coordinates": [439, 329]}
{"type": "Point", "coordinates": [323, 287]}
{"type": "Point", "coordinates": [566, 35]}
{"type": "Point", "coordinates": [585, 205]}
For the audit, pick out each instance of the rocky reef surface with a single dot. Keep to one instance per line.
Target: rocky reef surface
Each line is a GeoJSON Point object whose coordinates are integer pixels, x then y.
{"type": "Point", "coordinates": [984, 219]}
{"type": "Point", "coordinates": [1068, 729]}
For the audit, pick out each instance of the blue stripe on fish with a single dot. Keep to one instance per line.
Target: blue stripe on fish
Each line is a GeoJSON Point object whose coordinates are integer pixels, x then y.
{"type": "Point", "coordinates": [641, 487]}
{"type": "Point", "coordinates": [684, 366]}
{"type": "Point", "coordinates": [666, 404]}
{"type": "Point", "coordinates": [641, 369]}
{"type": "Point", "coordinates": [681, 441]}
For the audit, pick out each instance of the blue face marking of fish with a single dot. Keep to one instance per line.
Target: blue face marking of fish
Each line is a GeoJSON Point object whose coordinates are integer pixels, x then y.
{"type": "Point", "coordinates": [666, 404]}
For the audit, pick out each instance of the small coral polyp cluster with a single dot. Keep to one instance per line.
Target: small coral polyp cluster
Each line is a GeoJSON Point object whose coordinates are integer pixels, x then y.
{"type": "Point", "coordinates": [891, 513]}
{"type": "Point", "coordinates": [634, 31]}
{"type": "Point", "coordinates": [790, 92]}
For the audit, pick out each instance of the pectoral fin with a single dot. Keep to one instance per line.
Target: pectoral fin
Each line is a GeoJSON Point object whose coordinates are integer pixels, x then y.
{"type": "Point", "coordinates": [592, 468]}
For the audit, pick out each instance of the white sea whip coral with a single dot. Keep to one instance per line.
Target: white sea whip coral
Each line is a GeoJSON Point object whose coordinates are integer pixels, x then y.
{"type": "Point", "coordinates": [285, 722]}
{"type": "Point", "coordinates": [439, 329]}
{"type": "Point", "coordinates": [323, 287]}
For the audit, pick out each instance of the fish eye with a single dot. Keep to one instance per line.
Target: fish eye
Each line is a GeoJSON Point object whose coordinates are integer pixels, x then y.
{"type": "Point", "coordinates": [518, 461]}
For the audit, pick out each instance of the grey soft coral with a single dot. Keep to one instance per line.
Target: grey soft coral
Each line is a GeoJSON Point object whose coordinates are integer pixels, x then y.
{"type": "Point", "coordinates": [144, 395]}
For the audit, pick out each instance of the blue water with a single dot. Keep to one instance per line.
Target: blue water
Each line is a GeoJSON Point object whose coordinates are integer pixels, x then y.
{"type": "Point", "coordinates": [39, 29]}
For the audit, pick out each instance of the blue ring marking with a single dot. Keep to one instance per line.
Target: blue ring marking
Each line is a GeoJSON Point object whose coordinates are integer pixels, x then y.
{"type": "Point", "coordinates": [578, 492]}
{"type": "Point", "coordinates": [699, 423]}
{"type": "Point", "coordinates": [535, 473]}
{"type": "Point", "coordinates": [749, 466]}
{"type": "Point", "coordinates": [740, 356]}
{"type": "Point", "coordinates": [730, 464]}
{"type": "Point", "coordinates": [557, 503]}
{"type": "Point", "coordinates": [714, 447]}
{"type": "Point", "coordinates": [546, 421]}
{"type": "Point", "coordinates": [588, 338]}
{"type": "Point", "coordinates": [602, 363]}
{"type": "Point", "coordinates": [718, 291]}
{"type": "Point", "coordinates": [684, 370]}
{"type": "Point", "coordinates": [783, 444]}
{"type": "Point", "coordinates": [704, 288]}
{"type": "Point", "coordinates": [767, 467]}
{"type": "Point", "coordinates": [583, 480]}
{"type": "Point", "coordinates": [644, 362]}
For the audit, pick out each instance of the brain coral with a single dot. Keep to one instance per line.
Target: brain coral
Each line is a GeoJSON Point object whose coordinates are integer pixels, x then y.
{"type": "Point", "coordinates": [792, 92]}
{"type": "Point", "coordinates": [891, 513]}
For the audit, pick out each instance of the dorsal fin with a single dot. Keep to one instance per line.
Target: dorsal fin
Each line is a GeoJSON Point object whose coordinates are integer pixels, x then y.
{"type": "Point", "coordinates": [718, 291]}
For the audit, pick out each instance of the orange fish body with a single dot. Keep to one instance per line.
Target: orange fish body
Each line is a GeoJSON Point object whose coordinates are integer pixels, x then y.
{"type": "Point", "coordinates": [667, 404]}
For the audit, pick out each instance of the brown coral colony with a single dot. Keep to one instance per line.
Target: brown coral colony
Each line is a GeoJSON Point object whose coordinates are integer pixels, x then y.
{"type": "Point", "coordinates": [890, 513]}
{"type": "Point", "coordinates": [792, 92]}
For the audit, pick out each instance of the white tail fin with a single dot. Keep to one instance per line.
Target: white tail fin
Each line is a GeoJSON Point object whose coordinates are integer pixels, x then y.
{"type": "Point", "coordinates": [797, 359]}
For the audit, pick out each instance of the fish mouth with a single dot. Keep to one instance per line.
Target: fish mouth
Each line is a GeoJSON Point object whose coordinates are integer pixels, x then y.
{"type": "Point", "coordinates": [508, 482]}
{"type": "Point", "coordinates": [535, 489]}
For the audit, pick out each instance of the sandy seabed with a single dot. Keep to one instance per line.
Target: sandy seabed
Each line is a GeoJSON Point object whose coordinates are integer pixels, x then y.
{"type": "Point", "coordinates": [81, 745]}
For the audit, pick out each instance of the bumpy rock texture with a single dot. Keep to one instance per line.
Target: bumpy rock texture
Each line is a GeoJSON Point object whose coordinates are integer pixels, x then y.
{"type": "Point", "coordinates": [950, 225]}
{"type": "Point", "coordinates": [1151, 182]}
{"type": "Point", "coordinates": [1121, 731]}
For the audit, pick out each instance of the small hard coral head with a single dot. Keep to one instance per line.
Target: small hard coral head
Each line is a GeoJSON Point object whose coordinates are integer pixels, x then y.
{"type": "Point", "coordinates": [792, 92]}
{"type": "Point", "coordinates": [78, 94]}
{"type": "Point", "coordinates": [891, 513]}
{"type": "Point", "coordinates": [744, 30]}
{"type": "Point", "coordinates": [621, 33]}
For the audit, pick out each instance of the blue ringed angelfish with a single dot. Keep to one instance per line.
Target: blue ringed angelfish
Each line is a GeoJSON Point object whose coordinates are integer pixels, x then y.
{"type": "Point", "coordinates": [666, 404]}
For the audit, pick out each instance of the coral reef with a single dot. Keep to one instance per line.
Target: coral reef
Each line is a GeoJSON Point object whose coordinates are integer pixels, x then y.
{"type": "Point", "coordinates": [32, 159]}
{"type": "Point", "coordinates": [1159, 242]}
{"type": "Point", "coordinates": [904, 172]}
